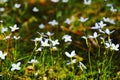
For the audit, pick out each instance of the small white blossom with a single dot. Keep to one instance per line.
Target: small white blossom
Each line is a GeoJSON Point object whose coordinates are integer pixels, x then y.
{"type": "Point", "coordinates": [4, 30]}
{"type": "Point", "coordinates": [108, 20]}
{"type": "Point", "coordinates": [115, 47]}
{"type": "Point", "coordinates": [2, 55]}
{"type": "Point", "coordinates": [72, 62]}
{"type": "Point", "coordinates": [2, 9]}
{"type": "Point", "coordinates": [70, 55]}
{"type": "Point", "coordinates": [37, 39]}
{"type": "Point", "coordinates": [109, 5]}
{"type": "Point", "coordinates": [95, 35]}
{"type": "Point", "coordinates": [33, 61]}
{"type": "Point", "coordinates": [65, 1]}
{"type": "Point", "coordinates": [17, 5]}
{"type": "Point", "coordinates": [97, 26]}
{"type": "Point", "coordinates": [39, 49]}
{"type": "Point", "coordinates": [7, 37]}
{"type": "Point", "coordinates": [16, 37]}
{"type": "Point", "coordinates": [84, 37]}
{"type": "Point", "coordinates": [81, 65]}
{"type": "Point", "coordinates": [68, 21]}
{"type": "Point", "coordinates": [45, 43]}
{"type": "Point", "coordinates": [41, 26]}
{"type": "Point", "coordinates": [1, 21]}
{"type": "Point", "coordinates": [87, 2]}
{"type": "Point", "coordinates": [53, 22]}
{"type": "Point", "coordinates": [16, 66]}
{"type": "Point", "coordinates": [14, 28]}
{"type": "Point", "coordinates": [82, 19]}
{"type": "Point", "coordinates": [49, 33]}
{"type": "Point", "coordinates": [3, 1]}
{"type": "Point", "coordinates": [55, 1]}
{"type": "Point", "coordinates": [107, 31]}
{"type": "Point", "coordinates": [35, 9]}
{"type": "Point", "coordinates": [67, 38]}
{"type": "Point", "coordinates": [112, 9]}
{"type": "Point", "coordinates": [101, 24]}
{"type": "Point", "coordinates": [54, 43]}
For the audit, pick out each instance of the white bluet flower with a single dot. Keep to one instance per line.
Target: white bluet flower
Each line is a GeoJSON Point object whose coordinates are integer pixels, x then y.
{"type": "Point", "coordinates": [41, 26]}
{"type": "Point", "coordinates": [108, 20]}
{"type": "Point", "coordinates": [115, 47]}
{"type": "Point", "coordinates": [17, 5]}
{"type": "Point", "coordinates": [33, 61]}
{"type": "Point", "coordinates": [55, 1]}
{"type": "Point", "coordinates": [107, 31]}
{"type": "Point", "coordinates": [2, 55]}
{"type": "Point", "coordinates": [54, 43]}
{"type": "Point", "coordinates": [67, 38]}
{"type": "Point", "coordinates": [16, 37]}
{"type": "Point", "coordinates": [82, 19]}
{"type": "Point", "coordinates": [65, 1]}
{"type": "Point", "coordinates": [1, 21]}
{"type": "Point", "coordinates": [113, 9]}
{"type": "Point", "coordinates": [70, 55]}
{"type": "Point", "coordinates": [49, 33]}
{"type": "Point", "coordinates": [16, 66]}
{"type": "Point", "coordinates": [35, 9]}
{"type": "Point", "coordinates": [81, 65]}
{"type": "Point", "coordinates": [109, 5]}
{"type": "Point", "coordinates": [101, 24]}
{"type": "Point", "coordinates": [37, 39]}
{"type": "Point", "coordinates": [97, 26]}
{"type": "Point", "coordinates": [39, 49]}
{"type": "Point", "coordinates": [95, 35]}
{"type": "Point", "coordinates": [87, 2]}
{"type": "Point", "coordinates": [4, 29]}
{"type": "Point", "coordinates": [14, 28]}
{"type": "Point", "coordinates": [53, 22]}
{"type": "Point", "coordinates": [3, 1]}
{"type": "Point", "coordinates": [45, 43]}
{"type": "Point", "coordinates": [72, 62]}
{"type": "Point", "coordinates": [68, 21]}
{"type": "Point", "coordinates": [2, 9]}
{"type": "Point", "coordinates": [7, 37]}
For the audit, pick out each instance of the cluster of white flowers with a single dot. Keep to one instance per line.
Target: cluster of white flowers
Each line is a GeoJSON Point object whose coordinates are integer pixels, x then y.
{"type": "Point", "coordinates": [71, 55]}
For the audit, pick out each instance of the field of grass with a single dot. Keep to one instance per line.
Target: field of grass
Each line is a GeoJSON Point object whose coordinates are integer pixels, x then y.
{"type": "Point", "coordinates": [59, 40]}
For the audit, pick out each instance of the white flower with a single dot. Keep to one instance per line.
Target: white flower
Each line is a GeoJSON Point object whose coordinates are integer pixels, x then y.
{"type": "Point", "coordinates": [68, 21]}
{"type": "Point", "coordinates": [39, 49]}
{"type": "Point", "coordinates": [14, 28]}
{"type": "Point", "coordinates": [109, 5]}
{"type": "Point", "coordinates": [70, 55]}
{"type": "Point", "coordinates": [107, 31]}
{"type": "Point", "coordinates": [1, 21]}
{"type": "Point", "coordinates": [45, 43]}
{"type": "Point", "coordinates": [35, 9]}
{"type": "Point", "coordinates": [34, 61]}
{"type": "Point", "coordinates": [64, 1]}
{"type": "Point", "coordinates": [108, 20]}
{"type": "Point", "coordinates": [84, 37]}
{"type": "Point", "coordinates": [17, 5]}
{"type": "Point", "coordinates": [54, 43]}
{"type": "Point", "coordinates": [4, 30]}
{"type": "Point", "coordinates": [114, 47]}
{"type": "Point", "coordinates": [67, 38]}
{"type": "Point", "coordinates": [101, 24]}
{"type": "Point", "coordinates": [72, 62]}
{"type": "Point", "coordinates": [97, 26]}
{"type": "Point", "coordinates": [53, 22]}
{"type": "Point", "coordinates": [2, 1]}
{"type": "Point", "coordinates": [37, 39]}
{"type": "Point", "coordinates": [16, 66]}
{"type": "Point", "coordinates": [82, 66]}
{"type": "Point", "coordinates": [87, 2]}
{"type": "Point", "coordinates": [16, 37]}
{"type": "Point", "coordinates": [95, 35]}
{"type": "Point", "coordinates": [112, 9]}
{"type": "Point", "coordinates": [41, 26]}
{"type": "Point", "coordinates": [2, 55]}
{"type": "Point", "coordinates": [55, 1]}
{"type": "Point", "coordinates": [82, 19]}
{"type": "Point", "coordinates": [49, 33]}
{"type": "Point", "coordinates": [2, 9]}
{"type": "Point", "coordinates": [7, 37]}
